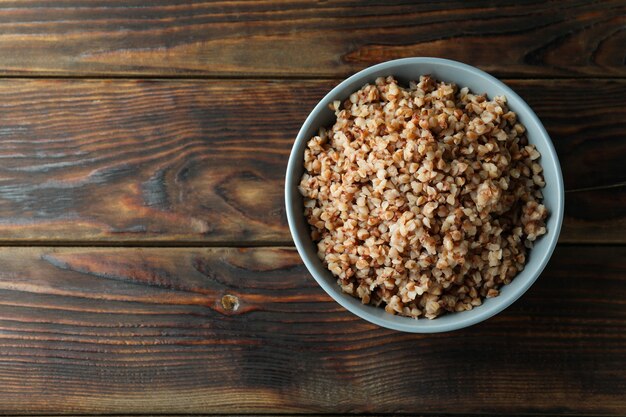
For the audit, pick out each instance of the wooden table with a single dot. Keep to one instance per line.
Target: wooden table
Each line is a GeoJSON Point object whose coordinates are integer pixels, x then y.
{"type": "Point", "coordinates": [146, 264]}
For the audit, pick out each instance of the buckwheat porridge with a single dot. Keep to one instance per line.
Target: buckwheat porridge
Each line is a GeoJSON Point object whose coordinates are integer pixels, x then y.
{"type": "Point", "coordinates": [424, 199]}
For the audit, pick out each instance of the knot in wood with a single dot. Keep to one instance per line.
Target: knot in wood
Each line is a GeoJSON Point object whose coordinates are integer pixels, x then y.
{"type": "Point", "coordinates": [230, 302]}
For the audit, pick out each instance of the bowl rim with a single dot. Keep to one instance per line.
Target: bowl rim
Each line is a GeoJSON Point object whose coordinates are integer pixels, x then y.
{"type": "Point", "coordinates": [413, 325]}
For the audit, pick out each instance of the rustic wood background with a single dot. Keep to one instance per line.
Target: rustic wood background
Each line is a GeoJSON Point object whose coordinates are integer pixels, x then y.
{"type": "Point", "coordinates": [142, 153]}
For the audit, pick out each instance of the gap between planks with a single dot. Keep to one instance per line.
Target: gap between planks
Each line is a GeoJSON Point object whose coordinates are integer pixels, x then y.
{"type": "Point", "coordinates": [202, 244]}
{"type": "Point", "coordinates": [266, 77]}
{"type": "Point", "coordinates": [147, 244]}
{"type": "Point", "coordinates": [318, 415]}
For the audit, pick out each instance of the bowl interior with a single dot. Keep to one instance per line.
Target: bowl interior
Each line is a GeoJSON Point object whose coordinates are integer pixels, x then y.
{"type": "Point", "coordinates": [478, 82]}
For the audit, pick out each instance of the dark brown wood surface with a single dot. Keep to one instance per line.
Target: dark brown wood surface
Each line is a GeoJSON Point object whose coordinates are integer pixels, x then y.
{"type": "Point", "coordinates": [204, 161]}
{"type": "Point", "coordinates": [313, 39]}
{"type": "Point", "coordinates": [109, 330]}
{"type": "Point", "coordinates": [146, 267]}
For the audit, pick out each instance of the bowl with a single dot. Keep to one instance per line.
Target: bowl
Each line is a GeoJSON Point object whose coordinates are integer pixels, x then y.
{"type": "Point", "coordinates": [478, 82]}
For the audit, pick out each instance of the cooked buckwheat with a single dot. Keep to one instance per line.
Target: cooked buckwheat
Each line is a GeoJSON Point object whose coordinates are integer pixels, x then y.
{"type": "Point", "coordinates": [425, 199]}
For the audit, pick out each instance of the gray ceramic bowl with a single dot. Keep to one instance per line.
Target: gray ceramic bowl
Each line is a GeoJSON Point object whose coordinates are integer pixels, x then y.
{"type": "Point", "coordinates": [479, 82]}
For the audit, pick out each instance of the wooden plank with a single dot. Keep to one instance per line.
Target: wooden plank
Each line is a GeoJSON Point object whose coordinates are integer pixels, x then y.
{"type": "Point", "coordinates": [120, 330]}
{"type": "Point", "coordinates": [204, 161]}
{"type": "Point", "coordinates": [298, 38]}
{"type": "Point", "coordinates": [595, 215]}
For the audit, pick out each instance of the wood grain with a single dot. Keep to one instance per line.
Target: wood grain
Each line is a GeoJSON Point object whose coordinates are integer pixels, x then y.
{"type": "Point", "coordinates": [120, 330]}
{"type": "Point", "coordinates": [595, 216]}
{"type": "Point", "coordinates": [298, 38]}
{"type": "Point", "coordinates": [203, 161]}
